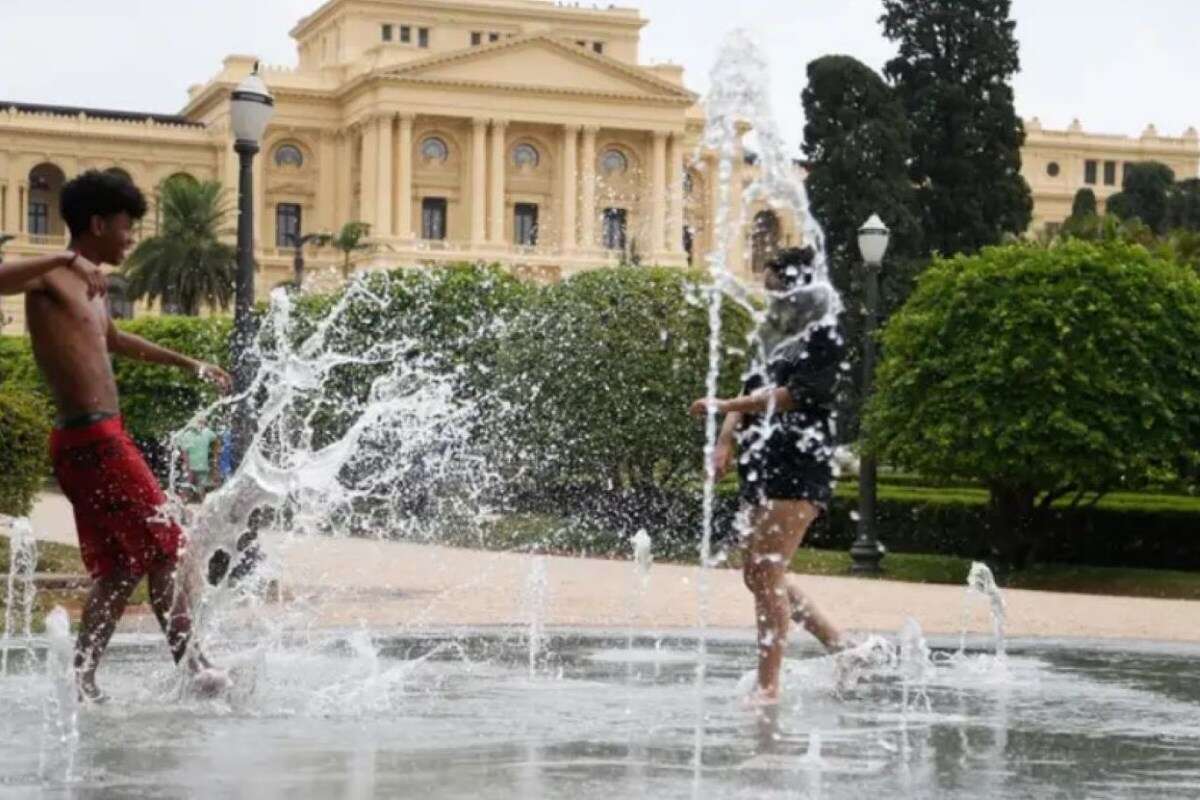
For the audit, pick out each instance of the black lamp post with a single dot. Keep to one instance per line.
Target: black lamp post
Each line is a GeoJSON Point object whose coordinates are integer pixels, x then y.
{"type": "Point", "coordinates": [866, 551]}
{"type": "Point", "coordinates": [251, 109]}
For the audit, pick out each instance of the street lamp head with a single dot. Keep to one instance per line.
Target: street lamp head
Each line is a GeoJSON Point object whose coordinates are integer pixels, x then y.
{"type": "Point", "coordinates": [873, 239]}
{"type": "Point", "coordinates": [252, 108]}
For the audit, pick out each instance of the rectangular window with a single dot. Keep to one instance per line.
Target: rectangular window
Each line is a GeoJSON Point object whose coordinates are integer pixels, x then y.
{"type": "Point", "coordinates": [493, 37]}
{"type": "Point", "coordinates": [287, 224]}
{"type": "Point", "coordinates": [433, 218]}
{"type": "Point", "coordinates": [598, 47]}
{"type": "Point", "coordinates": [406, 34]}
{"type": "Point", "coordinates": [422, 37]}
{"type": "Point", "coordinates": [476, 39]}
{"type": "Point", "coordinates": [616, 226]}
{"type": "Point", "coordinates": [1090, 172]}
{"type": "Point", "coordinates": [387, 33]}
{"type": "Point", "coordinates": [526, 233]}
{"type": "Point", "coordinates": [39, 219]}
{"type": "Point", "coordinates": [1110, 173]}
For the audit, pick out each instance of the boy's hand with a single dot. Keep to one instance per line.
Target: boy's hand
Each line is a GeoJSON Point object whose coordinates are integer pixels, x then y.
{"type": "Point", "coordinates": [96, 280]}
{"type": "Point", "coordinates": [214, 375]}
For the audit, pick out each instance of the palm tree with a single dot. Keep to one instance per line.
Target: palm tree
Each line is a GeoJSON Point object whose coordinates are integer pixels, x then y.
{"type": "Point", "coordinates": [348, 240]}
{"type": "Point", "coordinates": [186, 265]}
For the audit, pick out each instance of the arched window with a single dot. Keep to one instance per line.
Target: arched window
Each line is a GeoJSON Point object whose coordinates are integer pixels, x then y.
{"type": "Point", "coordinates": [614, 162]}
{"type": "Point", "coordinates": [45, 187]}
{"type": "Point", "coordinates": [434, 150]}
{"type": "Point", "coordinates": [526, 156]}
{"type": "Point", "coordinates": [120, 173]}
{"type": "Point", "coordinates": [288, 155]}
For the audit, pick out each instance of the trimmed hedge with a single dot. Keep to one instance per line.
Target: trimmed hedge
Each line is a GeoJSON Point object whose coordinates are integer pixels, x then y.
{"type": "Point", "coordinates": [1147, 531]}
{"type": "Point", "coordinates": [24, 455]}
{"type": "Point", "coordinates": [18, 370]}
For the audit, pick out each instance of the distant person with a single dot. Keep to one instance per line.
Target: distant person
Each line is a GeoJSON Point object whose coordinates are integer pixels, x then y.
{"type": "Point", "coordinates": [783, 428]}
{"type": "Point", "coordinates": [200, 451]}
{"type": "Point", "coordinates": [117, 500]}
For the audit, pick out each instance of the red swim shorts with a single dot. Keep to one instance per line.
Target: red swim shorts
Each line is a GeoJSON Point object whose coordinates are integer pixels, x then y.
{"type": "Point", "coordinates": [117, 500]}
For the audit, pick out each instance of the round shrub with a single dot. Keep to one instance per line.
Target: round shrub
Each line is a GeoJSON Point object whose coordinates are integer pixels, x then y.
{"type": "Point", "coordinates": [24, 459]}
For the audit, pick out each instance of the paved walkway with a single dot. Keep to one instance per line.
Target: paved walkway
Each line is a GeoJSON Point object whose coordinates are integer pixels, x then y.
{"type": "Point", "coordinates": [388, 584]}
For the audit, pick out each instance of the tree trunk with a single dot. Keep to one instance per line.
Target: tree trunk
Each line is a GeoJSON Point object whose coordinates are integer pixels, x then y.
{"type": "Point", "coordinates": [1014, 525]}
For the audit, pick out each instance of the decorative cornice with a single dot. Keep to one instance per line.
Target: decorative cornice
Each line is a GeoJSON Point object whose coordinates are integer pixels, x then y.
{"type": "Point", "coordinates": [603, 61]}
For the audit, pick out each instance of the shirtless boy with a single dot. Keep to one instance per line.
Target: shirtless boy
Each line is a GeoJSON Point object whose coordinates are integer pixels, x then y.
{"type": "Point", "coordinates": [116, 499]}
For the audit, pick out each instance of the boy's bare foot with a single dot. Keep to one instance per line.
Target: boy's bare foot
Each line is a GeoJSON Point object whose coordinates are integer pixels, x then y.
{"type": "Point", "coordinates": [759, 697]}
{"type": "Point", "coordinates": [211, 682]}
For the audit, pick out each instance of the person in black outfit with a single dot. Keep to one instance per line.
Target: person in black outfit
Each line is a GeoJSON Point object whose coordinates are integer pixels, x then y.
{"type": "Point", "coordinates": [782, 426]}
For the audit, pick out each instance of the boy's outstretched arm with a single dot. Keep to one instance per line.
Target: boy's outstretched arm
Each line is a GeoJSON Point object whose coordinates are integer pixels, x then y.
{"type": "Point", "coordinates": [28, 274]}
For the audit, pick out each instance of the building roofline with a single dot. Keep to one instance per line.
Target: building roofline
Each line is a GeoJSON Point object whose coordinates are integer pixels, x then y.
{"type": "Point", "coordinates": [613, 14]}
{"type": "Point", "coordinates": [98, 113]}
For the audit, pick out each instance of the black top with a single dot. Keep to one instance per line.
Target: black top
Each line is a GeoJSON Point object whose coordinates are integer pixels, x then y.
{"type": "Point", "coordinates": [788, 456]}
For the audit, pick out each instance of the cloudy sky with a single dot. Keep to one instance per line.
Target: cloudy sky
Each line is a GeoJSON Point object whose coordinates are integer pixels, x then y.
{"type": "Point", "coordinates": [1114, 65]}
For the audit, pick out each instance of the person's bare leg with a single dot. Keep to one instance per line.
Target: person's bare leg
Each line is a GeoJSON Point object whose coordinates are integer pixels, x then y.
{"type": "Point", "coordinates": [174, 613]}
{"type": "Point", "coordinates": [105, 604]}
{"type": "Point", "coordinates": [779, 530]}
{"type": "Point", "coordinates": [806, 613]}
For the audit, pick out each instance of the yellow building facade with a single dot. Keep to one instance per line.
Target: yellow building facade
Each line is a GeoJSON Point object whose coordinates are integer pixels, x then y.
{"type": "Point", "coordinates": [523, 132]}
{"type": "Point", "coordinates": [1057, 164]}
{"type": "Point", "coordinates": [513, 131]}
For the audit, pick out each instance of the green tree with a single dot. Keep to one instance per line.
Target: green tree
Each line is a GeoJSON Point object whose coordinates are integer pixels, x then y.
{"type": "Point", "coordinates": [1044, 373]}
{"type": "Point", "coordinates": [953, 74]}
{"type": "Point", "coordinates": [186, 265]}
{"type": "Point", "coordinates": [1144, 194]}
{"type": "Point", "coordinates": [1183, 205]}
{"type": "Point", "coordinates": [599, 373]}
{"type": "Point", "coordinates": [349, 240]}
{"type": "Point", "coordinates": [856, 139]}
{"type": "Point", "coordinates": [1084, 204]}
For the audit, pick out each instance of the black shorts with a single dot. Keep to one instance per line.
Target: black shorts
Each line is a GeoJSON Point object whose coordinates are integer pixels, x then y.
{"type": "Point", "coordinates": [785, 476]}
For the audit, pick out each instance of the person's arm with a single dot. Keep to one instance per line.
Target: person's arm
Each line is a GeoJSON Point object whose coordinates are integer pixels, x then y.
{"type": "Point", "coordinates": [757, 403]}
{"type": "Point", "coordinates": [130, 346]}
{"type": "Point", "coordinates": [29, 274]}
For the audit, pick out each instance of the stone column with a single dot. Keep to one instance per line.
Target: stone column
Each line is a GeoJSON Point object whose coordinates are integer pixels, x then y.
{"type": "Point", "coordinates": [675, 220]}
{"type": "Point", "coordinates": [658, 193]}
{"type": "Point", "coordinates": [12, 213]}
{"type": "Point", "coordinates": [343, 205]}
{"type": "Point", "coordinates": [326, 210]}
{"type": "Point", "coordinates": [497, 174]}
{"type": "Point", "coordinates": [22, 194]}
{"type": "Point", "coordinates": [404, 172]}
{"type": "Point", "coordinates": [386, 178]}
{"type": "Point", "coordinates": [570, 186]}
{"type": "Point", "coordinates": [587, 192]}
{"type": "Point", "coordinates": [478, 181]}
{"type": "Point", "coordinates": [369, 172]}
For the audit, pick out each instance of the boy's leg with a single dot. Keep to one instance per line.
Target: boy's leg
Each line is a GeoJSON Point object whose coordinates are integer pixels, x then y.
{"type": "Point", "coordinates": [173, 611]}
{"type": "Point", "coordinates": [105, 604]}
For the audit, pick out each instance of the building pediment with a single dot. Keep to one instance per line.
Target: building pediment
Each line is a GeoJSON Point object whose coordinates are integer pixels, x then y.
{"type": "Point", "coordinates": [541, 63]}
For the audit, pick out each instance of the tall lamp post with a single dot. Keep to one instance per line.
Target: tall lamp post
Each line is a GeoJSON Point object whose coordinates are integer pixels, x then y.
{"type": "Point", "coordinates": [251, 109]}
{"type": "Point", "coordinates": [866, 552]}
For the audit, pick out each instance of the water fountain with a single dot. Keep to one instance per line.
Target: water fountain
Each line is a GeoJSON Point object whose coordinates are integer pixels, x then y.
{"type": "Point", "coordinates": [20, 588]}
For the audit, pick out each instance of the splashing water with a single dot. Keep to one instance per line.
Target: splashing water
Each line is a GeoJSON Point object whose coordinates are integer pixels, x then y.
{"type": "Point", "coordinates": [738, 102]}
{"type": "Point", "coordinates": [643, 556]}
{"type": "Point", "coordinates": [981, 582]}
{"type": "Point", "coordinates": [61, 709]}
{"type": "Point", "coordinates": [20, 590]}
{"type": "Point", "coordinates": [535, 600]}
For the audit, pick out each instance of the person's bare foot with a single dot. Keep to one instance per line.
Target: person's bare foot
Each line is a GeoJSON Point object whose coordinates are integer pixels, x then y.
{"type": "Point", "coordinates": [759, 697]}
{"type": "Point", "coordinates": [89, 692]}
{"type": "Point", "coordinates": [210, 682]}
